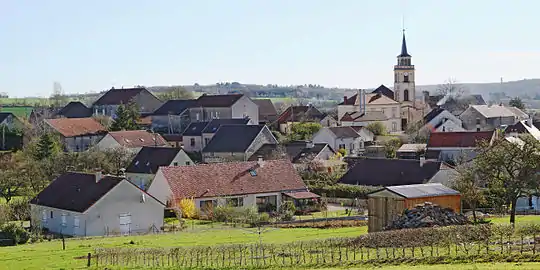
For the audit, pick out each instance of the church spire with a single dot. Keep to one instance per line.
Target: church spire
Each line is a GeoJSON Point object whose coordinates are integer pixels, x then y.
{"type": "Point", "coordinates": [404, 52]}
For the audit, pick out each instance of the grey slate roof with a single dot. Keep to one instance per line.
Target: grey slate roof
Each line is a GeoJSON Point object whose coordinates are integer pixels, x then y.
{"type": "Point", "coordinates": [388, 172]}
{"type": "Point", "coordinates": [195, 129]}
{"type": "Point", "coordinates": [422, 190]}
{"type": "Point", "coordinates": [4, 115]}
{"type": "Point", "coordinates": [218, 100]}
{"type": "Point", "coordinates": [149, 159]}
{"type": "Point", "coordinates": [297, 151]}
{"type": "Point", "coordinates": [175, 107]}
{"type": "Point", "coordinates": [119, 96]}
{"type": "Point", "coordinates": [344, 132]}
{"type": "Point", "coordinates": [214, 125]}
{"type": "Point", "coordinates": [233, 138]}
{"type": "Point", "coordinates": [432, 114]}
{"type": "Point", "coordinates": [75, 191]}
{"type": "Point", "coordinates": [383, 90]}
{"type": "Point", "coordinates": [75, 109]}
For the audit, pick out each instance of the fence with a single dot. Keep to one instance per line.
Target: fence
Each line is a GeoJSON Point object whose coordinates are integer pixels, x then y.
{"type": "Point", "coordinates": [405, 245]}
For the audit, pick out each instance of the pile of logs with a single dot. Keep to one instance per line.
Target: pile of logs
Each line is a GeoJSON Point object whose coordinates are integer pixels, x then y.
{"type": "Point", "coordinates": [427, 215]}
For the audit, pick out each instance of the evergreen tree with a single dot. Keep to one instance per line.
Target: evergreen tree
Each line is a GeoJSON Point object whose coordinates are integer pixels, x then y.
{"type": "Point", "coordinates": [46, 147]}
{"type": "Point", "coordinates": [126, 117]}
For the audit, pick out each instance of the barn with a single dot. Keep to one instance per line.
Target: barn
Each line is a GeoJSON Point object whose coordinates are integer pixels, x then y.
{"type": "Point", "coordinates": [388, 203]}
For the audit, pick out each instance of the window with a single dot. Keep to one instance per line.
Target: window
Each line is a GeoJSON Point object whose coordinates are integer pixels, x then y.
{"type": "Point", "coordinates": [394, 112]}
{"type": "Point", "coordinates": [76, 221]}
{"type": "Point", "coordinates": [406, 95]}
{"type": "Point", "coordinates": [192, 142]}
{"type": "Point", "coordinates": [207, 204]}
{"type": "Point", "coordinates": [44, 216]}
{"type": "Point", "coordinates": [394, 126]}
{"type": "Point", "coordinates": [175, 163]}
{"type": "Point", "coordinates": [51, 214]}
{"type": "Point", "coordinates": [477, 129]}
{"type": "Point", "coordinates": [188, 163]}
{"type": "Point", "coordinates": [266, 203]}
{"type": "Point", "coordinates": [478, 121]}
{"type": "Point", "coordinates": [406, 78]}
{"type": "Point", "coordinates": [341, 146]}
{"type": "Point", "coordinates": [64, 219]}
{"type": "Point", "coordinates": [206, 141]}
{"type": "Point", "coordinates": [235, 202]}
{"type": "Point", "coordinates": [352, 146]}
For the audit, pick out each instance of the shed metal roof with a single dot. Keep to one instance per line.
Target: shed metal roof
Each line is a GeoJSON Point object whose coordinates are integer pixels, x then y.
{"type": "Point", "coordinates": [422, 190]}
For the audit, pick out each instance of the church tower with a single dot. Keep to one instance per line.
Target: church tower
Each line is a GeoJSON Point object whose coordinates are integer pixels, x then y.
{"type": "Point", "coordinates": [404, 77]}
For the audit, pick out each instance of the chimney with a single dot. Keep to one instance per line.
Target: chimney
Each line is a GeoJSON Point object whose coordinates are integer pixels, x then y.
{"type": "Point", "coordinates": [422, 161]}
{"type": "Point", "coordinates": [99, 175]}
{"type": "Point", "coordinates": [309, 144]}
{"type": "Point", "coordinates": [344, 100]}
{"type": "Point", "coordinates": [260, 161]}
{"type": "Point", "coordinates": [426, 96]}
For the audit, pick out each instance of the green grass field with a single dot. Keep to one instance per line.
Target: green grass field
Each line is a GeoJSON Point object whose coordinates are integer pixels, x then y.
{"type": "Point", "coordinates": [519, 219]}
{"type": "Point", "coordinates": [21, 112]}
{"type": "Point", "coordinates": [49, 255]}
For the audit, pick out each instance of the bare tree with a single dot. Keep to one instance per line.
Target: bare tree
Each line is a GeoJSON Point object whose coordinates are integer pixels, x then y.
{"type": "Point", "coordinates": [451, 88]}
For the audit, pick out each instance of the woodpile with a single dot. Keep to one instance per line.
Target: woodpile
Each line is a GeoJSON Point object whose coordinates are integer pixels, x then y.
{"type": "Point", "coordinates": [427, 215]}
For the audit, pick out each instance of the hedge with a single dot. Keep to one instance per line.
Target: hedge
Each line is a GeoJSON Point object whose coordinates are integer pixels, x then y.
{"type": "Point", "coordinates": [344, 191]}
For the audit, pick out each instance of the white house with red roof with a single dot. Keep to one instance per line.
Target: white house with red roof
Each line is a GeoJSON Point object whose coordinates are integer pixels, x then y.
{"type": "Point", "coordinates": [264, 184]}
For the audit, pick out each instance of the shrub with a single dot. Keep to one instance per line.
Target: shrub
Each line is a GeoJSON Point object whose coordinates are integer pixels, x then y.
{"type": "Point", "coordinates": [287, 210]}
{"type": "Point", "coordinates": [16, 232]}
{"type": "Point", "coordinates": [225, 213]}
{"type": "Point", "coordinates": [19, 209]}
{"type": "Point", "coordinates": [188, 208]}
{"type": "Point", "coordinates": [344, 191]}
{"type": "Point", "coordinates": [377, 128]}
{"type": "Point", "coordinates": [324, 224]}
{"type": "Point", "coordinates": [342, 151]}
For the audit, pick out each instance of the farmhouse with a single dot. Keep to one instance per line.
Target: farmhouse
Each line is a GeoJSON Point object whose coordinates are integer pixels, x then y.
{"type": "Point", "coordinates": [237, 142]}
{"type": "Point", "coordinates": [82, 204]}
{"type": "Point", "coordinates": [77, 134]}
{"type": "Point", "coordinates": [240, 184]}
{"type": "Point", "coordinates": [388, 203]}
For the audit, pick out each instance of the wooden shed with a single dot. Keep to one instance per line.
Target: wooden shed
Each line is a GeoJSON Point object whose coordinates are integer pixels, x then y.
{"type": "Point", "coordinates": [387, 204]}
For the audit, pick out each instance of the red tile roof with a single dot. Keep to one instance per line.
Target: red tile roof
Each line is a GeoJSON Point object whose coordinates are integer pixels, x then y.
{"type": "Point", "coordinates": [458, 139]}
{"type": "Point", "coordinates": [137, 138]}
{"type": "Point", "coordinates": [232, 178]}
{"type": "Point", "coordinates": [70, 127]}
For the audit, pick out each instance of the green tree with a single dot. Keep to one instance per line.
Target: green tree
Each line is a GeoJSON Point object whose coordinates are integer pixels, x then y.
{"type": "Point", "coordinates": [303, 131]}
{"type": "Point", "coordinates": [470, 185]}
{"type": "Point", "coordinates": [377, 128]}
{"type": "Point", "coordinates": [176, 92]}
{"type": "Point", "coordinates": [391, 146]}
{"type": "Point", "coordinates": [47, 146]}
{"type": "Point", "coordinates": [517, 102]}
{"type": "Point", "coordinates": [126, 117]}
{"type": "Point", "coordinates": [510, 167]}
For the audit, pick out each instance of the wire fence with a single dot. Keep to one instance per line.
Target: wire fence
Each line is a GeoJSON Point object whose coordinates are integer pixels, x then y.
{"type": "Point", "coordinates": [393, 246]}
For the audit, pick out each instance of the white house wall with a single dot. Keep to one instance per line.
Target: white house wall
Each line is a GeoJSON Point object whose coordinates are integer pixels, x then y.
{"type": "Point", "coordinates": [159, 188]}
{"type": "Point", "coordinates": [250, 200]}
{"type": "Point", "coordinates": [103, 217]}
{"type": "Point", "coordinates": [187, 143]}
{"type": "Point", "coordinates": [54, 224]}
{"type": "Point", "coordinates": [245, 107]}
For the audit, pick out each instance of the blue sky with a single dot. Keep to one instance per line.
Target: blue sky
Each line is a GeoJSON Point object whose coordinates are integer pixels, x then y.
{"type": "Point", "coordinates": [93, 45]}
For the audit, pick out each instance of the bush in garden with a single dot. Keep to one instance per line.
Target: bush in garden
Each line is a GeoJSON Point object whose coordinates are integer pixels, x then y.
{"type": "Point", "coordinates": [225, 213]}
{"type": "Point", "coordinates": [188, 208]}
{"type": "Point", "coordinates": [344, 191]}
{"type": "Point", "coordinates": [16, 232]}
{"type": "Point", "coordinates": [287, 210]}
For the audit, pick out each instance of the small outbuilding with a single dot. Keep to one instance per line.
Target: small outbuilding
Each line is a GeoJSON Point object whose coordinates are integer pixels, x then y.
{"type": "Point", "coordinates": [387, 204]}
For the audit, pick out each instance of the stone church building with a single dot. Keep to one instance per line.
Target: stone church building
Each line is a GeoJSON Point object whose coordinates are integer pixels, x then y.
{"type": "Point", "coordinates": [383, 104]}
